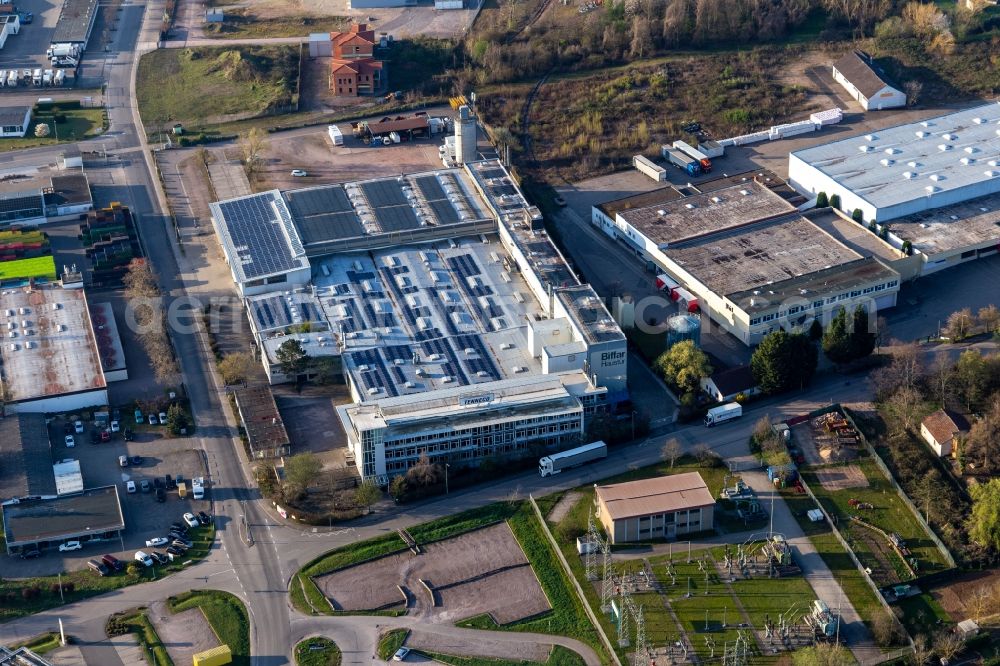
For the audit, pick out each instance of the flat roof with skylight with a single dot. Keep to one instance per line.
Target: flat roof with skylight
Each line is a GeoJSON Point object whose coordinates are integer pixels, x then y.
{"type": "Point", "coordinates": [962, 227]}
{"type": "Point", "coordinates": [954, 155]}
{"type": "Point", "coordinates": [49, 347]}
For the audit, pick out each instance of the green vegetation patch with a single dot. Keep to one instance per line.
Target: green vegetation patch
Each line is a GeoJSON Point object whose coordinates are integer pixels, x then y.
{"type": "Point", "coordinates": [317, 651]}
{"type": "Point", "coordinates": [559, 656]}
{"type": "Point", "coordinates": [225, 613]}
{"type": "Point", "coordinates": [214, 84]}
{"type": "Point", "coordinates": [391, 641]}
{"type": "Point", "coordinates": [40, 644]}
{"type": "Point", "coordinates": [35, 267]}
{"type": "Point", "coordinates": [243, 24]}
{"type": "Point", "coordinates": [137, 622]}
{"type": "Point", "coordinates": [66, 125]}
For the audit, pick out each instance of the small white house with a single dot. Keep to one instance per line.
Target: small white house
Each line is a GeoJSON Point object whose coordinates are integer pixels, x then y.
{"type": "Point", "coordinates": [941, 429]}
{"type": "Point", "coordinates": [725, 385]}
{"type": "Point", "coordinates": [866, 83]}
{"type": "Point", "coordinates": [14, 121]}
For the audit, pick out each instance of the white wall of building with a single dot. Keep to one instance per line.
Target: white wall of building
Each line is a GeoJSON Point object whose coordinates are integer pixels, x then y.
{"type": "Point", "coordinates": [61, 403]}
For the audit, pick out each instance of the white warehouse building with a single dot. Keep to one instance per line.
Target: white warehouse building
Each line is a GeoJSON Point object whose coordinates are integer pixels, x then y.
{"type": "Point", "coordinates": [907, 169]}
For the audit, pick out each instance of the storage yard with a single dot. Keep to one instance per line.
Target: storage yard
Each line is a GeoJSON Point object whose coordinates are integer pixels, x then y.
{"type": "Point", "coordinates": [479, 572]}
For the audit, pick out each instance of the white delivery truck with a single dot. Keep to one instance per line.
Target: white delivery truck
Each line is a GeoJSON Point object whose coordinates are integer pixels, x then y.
{"type": "Point", "coordinates": [557, 462]}
{"type": "Point", "coordinates": [336, 136]}
{"type": "Point", "coordinates": [723, 413]}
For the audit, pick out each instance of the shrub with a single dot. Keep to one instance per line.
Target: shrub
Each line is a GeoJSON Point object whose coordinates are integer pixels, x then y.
{"type": "Point", "coordinates": [31, 593]}
{"type": "Point", "coordinates": [858, 216]}
{"type": "Point", "coordinates": [835, 201]}
{"type": "Point", "coordinates": [908, 248]}
{"type": "Point", "coordinates": [821, 200]}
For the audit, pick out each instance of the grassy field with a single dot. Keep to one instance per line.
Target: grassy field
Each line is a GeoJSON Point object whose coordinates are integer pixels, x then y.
{"type": "Point", "coordinates": [889, 514]}
{"type": "Point", "coordinates": [317, 651]}
{"type": "Point", "coordinates": [34, 267]}
{"type": "Point", "coordinates": [559, 656]}
{"type": "Point", "coordinates": [391, 641]}
{"type": "Point", "coordinates": [836, 558]}
{"type": "Point", "coordinates": [16, 602]}
{"type": "Point", "coordinates": [227, 615]}
{"type": "Point", "coordinates": [137, 622]}
{"type": "Point", "coordinates": [202, 86]}
{"type": "Point", "coordinates": [74, 125]}
{"type": "Point", "coordinates": [243, 24]}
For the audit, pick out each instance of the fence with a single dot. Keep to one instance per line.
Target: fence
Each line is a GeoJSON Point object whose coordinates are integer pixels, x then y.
{"type": "Point", "coordinates": [899, 491]}
{"type": "Point", "coordinates": [576, 584]}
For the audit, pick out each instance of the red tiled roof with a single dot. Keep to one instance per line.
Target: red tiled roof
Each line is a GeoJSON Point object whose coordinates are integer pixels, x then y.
{"type": "Point", "coordinates": [943, 425]}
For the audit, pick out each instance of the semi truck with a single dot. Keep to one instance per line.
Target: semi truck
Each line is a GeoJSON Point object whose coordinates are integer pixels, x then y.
{"type": "Point", "coordinates": [682, 161]}
{"type": "Point", "coordinates": [723, 413]}
{"type": "Point", "coordinates": [694, 153]}
{"type": "Point", "coordinates": [557, 462]}
{"type": "Point", "coordinates": [336, 136]}
{"type": "Point", "coordinates": [646, 166]}
{"type": "Point", "coordinates": [61, 50]}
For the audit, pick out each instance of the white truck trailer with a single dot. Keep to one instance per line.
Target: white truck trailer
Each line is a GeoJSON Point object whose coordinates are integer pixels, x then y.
{"type": "Point", "coordinates": [336, 136]}
{"type": "Point", "coordinates": [646, 166]}
{"type": "Point", "coordinates": [557, 462]}
{"type": "Point", "coordinates": [723, 413]}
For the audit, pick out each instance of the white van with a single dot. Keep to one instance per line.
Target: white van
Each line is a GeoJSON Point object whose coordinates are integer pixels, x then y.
{"type": "Point", "coordinates": [142, 557]}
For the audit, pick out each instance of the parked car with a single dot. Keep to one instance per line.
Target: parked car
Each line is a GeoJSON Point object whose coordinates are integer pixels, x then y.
{"type": "Point", "coordinates": [156, 542]}
{"type": "Point", "coordinates": [191, 520]}
{"type": "Point", "coordinates": [158, 482]}
{"type": "Point", "coordinates": [204, 518]}
{"type": "Point", "coordinates": [105, 436]}
{"type": "Point", "coordinates": [67, 428]}
{"type": "Point", "coordinates": [30, 554]}
{"type": "Point", "coordinates": [174, 534]}
{"type": "Point", "coordinates": [183, 544]}
{"type": "Point", "coordinates": [161, 495]}
{"type": "Point", "coordinates": [172, 550]}
{"type": "Point", "coordinates": [26, 17]}
{"type": "Point", "coordinates": [179, 527]}
{"type": "Point", "coordinates": [135, 460]}
{"type": "Point", "coordinates": [115, 426]}
{"type": "Point", "coordinates": [138, 416]}
{"type": "Point", "coordinates": [144, 485]}
{"type": "Point", "coordinates": [70, 546]}
{"type": "Point", "coordinates": [94, 437]}
{"type": "Point", "coordinates": [70, 442]}
{"type": "Point", "coordinates": [123, 461]}
{"type": "Point", "coordinates": [159, 557]}
{"type": "Point", "coordinates": [152, 419]}
{"type": "Point", "coordinates": [99, 568]}
{"type": "Point", "coordinates": [78, 427]}
{"type": "Point", "coordinates": [127, 434]}
{"type": "Point", "coordinates": [130, 486]}
{"type": "Point", "coordinates": [299, 173]}
{"type": "Point", "coordinates": [112, 562]}
{"type": "Point", "coordinates": [170, 482]}
{"type": "Point", "coordinates": [163, 418]}
{"type": "Point", "coordinates": [401, 654]}
{"type": "Point", "coordinates": [143, 558]}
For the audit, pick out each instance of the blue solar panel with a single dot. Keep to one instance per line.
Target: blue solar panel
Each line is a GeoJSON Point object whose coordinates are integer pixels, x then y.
{"type": "Point", "coordinates": [254, 228]}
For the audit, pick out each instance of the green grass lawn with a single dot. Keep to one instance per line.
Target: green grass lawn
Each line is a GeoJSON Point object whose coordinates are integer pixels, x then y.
{"type": "Point", "coordinates": [14, 603]}
{"type": "Point", "coordinates": [76, 124]}
{"type": "Point", "coordinates": [227, 615]}
{"type": "Point", "coordinates": [137, 622]}
{"type": "Point", "coordinates": [204, 85]}
{"type": "Point", "coordinates": [35, 267]}
{"type": "Point", "coordinates": [923, 615]}
{"type": "Point", "coordinates": [317, 651]}
{"type": "Point", "coordinates": [40, 644]}
{"type": "Point", "coordinates": [391, 641]}
{"type": "Point", "coordinates": [890, 514]}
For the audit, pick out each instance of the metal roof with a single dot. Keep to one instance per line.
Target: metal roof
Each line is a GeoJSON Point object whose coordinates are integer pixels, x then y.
{"type": "Point", "coordinates": [663, 494]}
{"type": "Point", "coordinates": [25, 457]}
{"type": "Point", "coordinates": [92, 512]}
{"type": "Point", "coordinates": [261, 419]}
{"type": "Point", "coordinates": [75, 21]}
{"type": "Point", "coordinates": [917, 160]}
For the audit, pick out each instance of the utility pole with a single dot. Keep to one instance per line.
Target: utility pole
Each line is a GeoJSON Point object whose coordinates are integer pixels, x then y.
{"type": "Point", "coordinates": [446, 468]}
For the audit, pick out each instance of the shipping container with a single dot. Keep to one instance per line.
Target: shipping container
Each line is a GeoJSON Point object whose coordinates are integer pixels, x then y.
{"type": "Point", "coordinates": [646, 166]}
{"type": "Point", "coordinates": [336, 136]}
{"type": "Point", "coordinates": [683, 161]}
{"type": "Point", "coordinates": [217, 656]}
{"type": "Point", "coordinates": [712, 148]}
{"type": "Point", "coordinates": [694, 153]}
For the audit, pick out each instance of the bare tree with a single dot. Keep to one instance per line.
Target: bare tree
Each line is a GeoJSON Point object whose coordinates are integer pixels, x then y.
{"type": "Point", "coordinates": [947, 645]}
{"type": "Point", "coordinates": [671, 451]}
{"type": "Point", "coordinates": [921, 651]}
{"type": "Point", "coordinates": [885, 628]}
{"type": "Point", "coordinates": [642, 40]}
{"type": "Point", "coordinates": [989, 317]}
{"type": "Point", "coordinates": [861, 14]}
{"type": "Point", "coordinates": [939, 379]}
{"type": "Point", "coordinates": [959, 324]}
{"type": "Point", "coordinates": [913, 89]}
{"type": "Point", "coordinates": [252, 145]}
{"type": "Point", "coordinates": [979, 602]}
{"type": "Point", "coordinates": [903, 405]}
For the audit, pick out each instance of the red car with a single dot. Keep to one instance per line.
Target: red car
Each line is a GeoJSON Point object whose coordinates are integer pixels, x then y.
{"type": "Point", "coordinates": [105, 436]}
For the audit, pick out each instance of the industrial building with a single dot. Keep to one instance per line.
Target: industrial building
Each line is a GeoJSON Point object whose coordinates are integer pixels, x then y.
{"type": "Point", "coordinates": [865, 82]}
{"type": "Point", "coordinates": [265, 431]}
{"type": "Point", "coordinates": [32, 201]}
{"type": "Point", "coordinates": [25, 457]}
{"type": "Point", "coordinates": [428, 293]}
{"type": "Point", "coordinates": [75, 23]}
{"type": "Point", "coordinates": [50, 360]}
{"type": "Point", "coordinates": [45, 522]}
{"type": "Point", "coordinates": [739, 250]}
{"type": "Point", "coordinates": [664, 507]}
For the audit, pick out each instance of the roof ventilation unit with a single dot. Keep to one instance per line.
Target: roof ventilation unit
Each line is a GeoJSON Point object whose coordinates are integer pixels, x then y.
{"type": "Point", "coordinates": [909, 175]}
{"type": "Point", "coordinates": [944, 147]}
{"type": "Point", "coordinates": [689, 206]}
{"type": "Point", "coordinates": [949, 137]}
{"type": "Point", "coordinates": [887, 162]}
{"type": "Point", "coordinates": [865, 149]}
{"type": "Point", "coordinates": [716, 200]}
{"type": "Point", "coordinates": [745, 193]}
{"type": "Point", "coordinates": [936, 177]}
{"type": "Point", "coordinates": [921, 134]}
{"type": "Point", "coordinates": [978, 121]}
{"type": "Point", "coordinates": [931, 189]}
{"type": "Point", "coordinates": [971, 149]}
{"type": "Point", "coordinates": [870, 137]}
{"type": "Point", "coordinates": [661, 212]}
{"type": "Point", "coordinates": [967, 161]}
{"type": "Point", "coordinates": [991, 174]}
{"type": "Point", "coordinates": [892, 151]}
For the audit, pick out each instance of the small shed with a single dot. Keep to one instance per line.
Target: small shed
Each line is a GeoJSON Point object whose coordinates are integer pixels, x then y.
{"type": "Point", "coordinates": [968, 628]}
{"type": "Point", "coordinates": [320, 45]}
{"type": "Point", "coordinates": [941, 429]}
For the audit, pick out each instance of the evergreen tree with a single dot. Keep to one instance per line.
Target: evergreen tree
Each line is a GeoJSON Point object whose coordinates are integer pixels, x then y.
{"type": "Point", "coordinates": [783, 361]}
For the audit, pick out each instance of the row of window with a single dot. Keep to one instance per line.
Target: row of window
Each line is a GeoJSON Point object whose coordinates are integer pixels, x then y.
{"type": "Point", "coordinates": [816, 305]}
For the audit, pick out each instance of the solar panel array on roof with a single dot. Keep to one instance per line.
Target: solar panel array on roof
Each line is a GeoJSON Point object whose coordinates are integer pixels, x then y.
{"type": "Point", "coordinates": [465, 267]}
{"type": "Point", "coordinates": [258, 241]}
{"type": "Point", "coordinates": [384, 193]}
{"type": "Point", "coordinates": [276, 312]}
{"type": "Point", "coordinates": [492, 173]}
{"type": "Point", "coordinates": [441, 348]}
{"type": "Point", "coordinates": [323, 214]}
{"type": "Point", "coordinates": [479, 363]}
{"type": "Point", "coordinates": [374, 375]}
{"type": "Point", "coordinates": [20, 206]}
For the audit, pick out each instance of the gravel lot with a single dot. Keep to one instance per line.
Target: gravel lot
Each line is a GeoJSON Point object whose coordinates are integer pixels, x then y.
{"type": "Point", "coordinates": [484, 571]}
{"type": "Point", "coordinates": [183, 634]}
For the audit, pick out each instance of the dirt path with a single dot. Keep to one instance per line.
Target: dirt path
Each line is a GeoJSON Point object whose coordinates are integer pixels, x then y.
{"type": "Point", "coordinates": [563, 506]}
{"type": "Point", "coordinates": [812, 70]}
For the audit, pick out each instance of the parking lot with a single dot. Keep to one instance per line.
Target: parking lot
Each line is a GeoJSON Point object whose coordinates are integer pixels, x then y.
{"type": "Point", "coordinates": [27, 48]}
{"type": "Point", "coordinates": [145, 517]}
